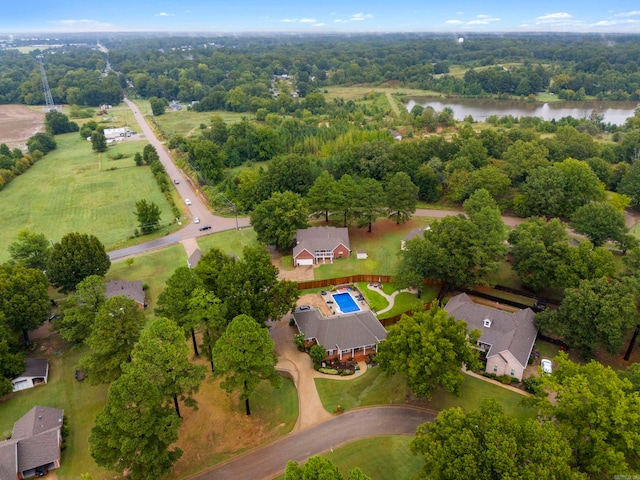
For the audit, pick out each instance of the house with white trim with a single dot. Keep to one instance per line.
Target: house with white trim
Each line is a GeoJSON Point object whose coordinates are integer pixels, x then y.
{"type": "Point", "coordinates": [36, 372]}
{"type": "Point", "coordinates": [320, 244]}
{"type": "Point", "coordinates": [507, 339]}
{"type": "Point", "coordinates": [348, 334]}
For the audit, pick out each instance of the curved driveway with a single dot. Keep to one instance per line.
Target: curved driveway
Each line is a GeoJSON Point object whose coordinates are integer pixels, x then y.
{"type": "Point", "coordinates": [271, 460]}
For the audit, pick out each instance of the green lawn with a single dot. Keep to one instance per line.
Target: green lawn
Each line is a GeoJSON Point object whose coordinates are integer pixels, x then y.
{"type": "Point", "coordinates": [381, 458]}
{"type": "Point", "coordinates": [382, 247]}
{"type": "Point", "coordinates": [402, 302]}
{"type": "Point", "coordinates": [376, 301]}
{"type": "Point", "coordinates": [231, 241]}
{"type": "Point", "coordinates": [186, 122]}
{"type": "Point", "coordinates": [153, 268]}
{"type": "Point", "coordinates": [358, 92]}
{"type": "Point", "coordinates": [80, 401]}
{"type": "Point", "coordinates": [376, 388]}
{"type": "Point", "coordinates": [373, 387]}
{"type": "Point", "coordinates": [73, 189]}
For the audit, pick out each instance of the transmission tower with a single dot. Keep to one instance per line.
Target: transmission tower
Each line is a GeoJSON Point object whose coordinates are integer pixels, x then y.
{"type": "Point", "coordinates": [50, 106]}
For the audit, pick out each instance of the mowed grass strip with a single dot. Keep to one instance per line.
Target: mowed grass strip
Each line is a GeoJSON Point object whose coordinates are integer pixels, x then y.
{"type": "Point", "coordinates": [229, 242]}
{"type": "Point", "coordinates": [187, 122]}
{"type": "Point", "coordinates": [73, 189]}
{"type": "Point", "coordinates": [381, 458]}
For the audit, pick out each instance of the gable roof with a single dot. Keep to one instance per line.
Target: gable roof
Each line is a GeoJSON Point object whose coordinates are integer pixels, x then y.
{"type": "Point", "coordinates": [347, 331]}
{"type": "Point", "coordinates": [36, 421]}
{"type": "Point", "coordinates": [38, 450]}
{"type": "Point", "coordinates": [512, 332]}
{"type": "Point", "coordinates": [8, 459]}
{"type": "Point", "coordinates": [35, 367]}
{"type": "Point", "coordinates": [320, 238]}
{"type": "Point", "coordinates": [194, 258]}
{"type": "Point", "coordinates": [132, 290]}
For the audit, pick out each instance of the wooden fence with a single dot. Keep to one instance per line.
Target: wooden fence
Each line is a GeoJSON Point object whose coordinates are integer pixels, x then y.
{"type": "Point", "coordinates": [332, 282]}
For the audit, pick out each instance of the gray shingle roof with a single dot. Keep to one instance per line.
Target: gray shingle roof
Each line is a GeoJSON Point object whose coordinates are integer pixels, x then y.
{"type": "Point", "coordinates": [38, 450]}
{"type": "Point", "coordinates": [320, 238]}
{"type": "Point", "coordinates": [8, 459]}
{"type": "Point", "coordinates": [513, 332]}
{"type": "Point", "coordinates": [35, 367]}
{"type": "Point", "coordinates": [194, 259]}
{"type": "Point", "coordinates": [37, 420]}
{"type": "Point", "coordinates": [133, 290]}
{"type": "Point", "coordinates": [351, 330]}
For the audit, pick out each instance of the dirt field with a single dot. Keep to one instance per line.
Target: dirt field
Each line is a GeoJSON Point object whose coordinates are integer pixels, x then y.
{"type": "Point", "coordinates": [18, 123]}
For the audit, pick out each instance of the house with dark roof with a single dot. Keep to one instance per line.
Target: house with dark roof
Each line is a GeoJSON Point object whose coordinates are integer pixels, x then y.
{"type": "Point", "coordinates": [132, 290]}
{"type": "Point", "coordinates": [507, 338]}
{"type": "Point", "coordinates": [34, 446]}
{"type": "Point", "coordinates": [348, 334]}
{"type": "Point", "coordinates": [319, 244]}
{"type": "Point", "coordinates": [416, 232]}
{"type": "Point", "coordinates": [36, 372]}
{"type": "Point", "coordinates": [194, 258]}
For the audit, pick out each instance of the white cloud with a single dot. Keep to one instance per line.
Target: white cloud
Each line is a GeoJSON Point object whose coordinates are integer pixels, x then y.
{"type": "Point", "coordinates": [554, 18]}
{"type": "Point", "coordinates": [340, 20]}
{"type": "Point", "coordinates": [628, 14]}
{"type": "Point", "coordinates": [84, 25]}
{"type": "Point", "coordinates": [483, 20]}
{"type": "Point", "coordinates": [358, 17]}
{"type": "Point", "coordinates": [307, 20]}
{"type": "Point", "coordinates": [164, 14]}
{"type": "Point", "coordinates": [318, 24]}
{"type": "Point", "coordinates": [289, 20]}
{"type": "Point", "coordinates": [483, 16]}
{"type": "Point", "coordinates": [453, 22]}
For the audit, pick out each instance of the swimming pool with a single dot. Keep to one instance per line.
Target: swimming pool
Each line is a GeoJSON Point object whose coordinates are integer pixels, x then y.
{"type": "Point", "coordinates": [346, 303]}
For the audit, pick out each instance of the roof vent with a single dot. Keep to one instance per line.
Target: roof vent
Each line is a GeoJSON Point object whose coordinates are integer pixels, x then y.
{"type": "Point", "coordinates": [486, 323]}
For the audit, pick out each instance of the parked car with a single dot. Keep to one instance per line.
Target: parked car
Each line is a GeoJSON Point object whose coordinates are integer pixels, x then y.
{"type": "Point", "coordinates": [176, 181]}
{"type": "Point", "coordinates": [304, 307]}
{"type": "Point", "coordinates": [187, 201]}
{"type": "Point", "coordinates": [196, 220]}
{"type": "Point", "coordinates": [546, 365]}
{"type": "Point", "coordinates": [205, 227]}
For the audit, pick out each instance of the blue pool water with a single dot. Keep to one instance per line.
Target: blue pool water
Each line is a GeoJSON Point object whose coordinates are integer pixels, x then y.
{"type": "Point", "coordinates": [346, 303]}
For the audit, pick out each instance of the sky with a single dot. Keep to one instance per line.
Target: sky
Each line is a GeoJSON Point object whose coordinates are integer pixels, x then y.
{"type": "Point", "coordinates": [321, 16]}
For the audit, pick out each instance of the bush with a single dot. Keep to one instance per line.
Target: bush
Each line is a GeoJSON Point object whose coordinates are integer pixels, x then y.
{"type": "Point", "coordinates": [328, 371]}
{"type": "Point", "coordinates": [317, 353]}
{"type": "Point", "coordinates": [505, 379]}
{"type": "Point", "coordinates": [533, 385]}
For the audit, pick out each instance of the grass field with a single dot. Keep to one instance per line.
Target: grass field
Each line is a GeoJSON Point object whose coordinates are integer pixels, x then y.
{"type": "Point", "coordinates": [376, 388]}
{"type": "Point", "coordinates": [73, 189]}
{"type": "Point", "coordinates": [382, 247]}
{"type": "Point", "coordinates": [381, 458]}
{"type": "Point", "coordinates": [231, 241]}
{"type": "Point", "coordinates": [359, 92]}
{"type": "Point", "coordinates": [185, 122]}
{"type": "Point", "coordinates": [153, 268]}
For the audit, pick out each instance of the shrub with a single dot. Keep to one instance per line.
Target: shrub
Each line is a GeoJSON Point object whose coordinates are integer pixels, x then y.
{"type": "Point", "coordinates": [327, 370]}
{"type": "Point", "coordinates": [533, 385]}
{"type": "Point", "coordinates": [298, 339]}
{"type": "Point", "coordinates": [317, 353]}
{"type": "Point", "coordinates": [506, 379]}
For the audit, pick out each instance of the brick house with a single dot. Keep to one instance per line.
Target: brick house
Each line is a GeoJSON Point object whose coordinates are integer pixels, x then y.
{"type": "Point", "coordinates": [319, 244]}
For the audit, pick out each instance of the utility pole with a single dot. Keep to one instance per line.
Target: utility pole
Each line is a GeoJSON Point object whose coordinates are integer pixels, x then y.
{"type": "Point", "coordinates": [48, 98]}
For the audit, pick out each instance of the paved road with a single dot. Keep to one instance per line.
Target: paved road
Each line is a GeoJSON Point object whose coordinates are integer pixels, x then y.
{"type": "Point", "coordinates": [268, 461]}
{"type": "Point", "coordinates": [186, 190]}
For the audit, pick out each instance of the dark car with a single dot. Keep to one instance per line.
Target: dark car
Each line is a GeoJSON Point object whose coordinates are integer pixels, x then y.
{"type": "Point", "coordinates": [41, 471]}
{"type": "Point", "coordinates": [205, 227]}
{"type": "Point", "coordinates": [540, 305]}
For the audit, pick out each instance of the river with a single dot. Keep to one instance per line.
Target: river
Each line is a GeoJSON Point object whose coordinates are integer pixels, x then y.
{"type": "Point", "coordinates": [613, 112]}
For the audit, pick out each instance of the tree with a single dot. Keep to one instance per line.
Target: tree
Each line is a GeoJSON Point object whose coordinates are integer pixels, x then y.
{"type": "Point", "coordinates": [317, 353]}
{"type": "Point", "coordinates": [173, 301]}
{"type": "Point", "coordinates": [43, 142]}
{"type": "Point", "coordinates": [457, 250]}
{"type": "Point", "coordinates": [30, 249]}
{"type": "Point", "coordinates": [429, 347]}
{"type": "Point", "coordinates": [486, 444]}
{"type": "Point", "coordinates": [402, 197]}
{"type": "Point", "coordinates": [319, 468]}
{"type": "Point", "coordinates": [158, 106]}
{"type": "Point", "coordinates": [244, 356]}
{"type": "Point", "coordinates": [630, 183]}
{"type": "Point", "coordinates": [79, 310]}
{"type": "Point", "coordinates": [276, 220]}
{"type": "Point", "coordinates": [24, 300]}
{"type": "Point", "coordinates": [342, 195]}
{"type": "Point", "coordinates": [319, 195]}
{"type": "Point", "coordinates": [538, 248]}
{"type": "Point", "coordinates": [11, 362]}
{"type": "Point", "coordinates": [98, 142]}
{"type": "Point", "coordinates": [369, 202]}
{"type": "Point", "coordinates": [56, 123]}
{"type": "Point", "coordinates": [207, 310]}
{"type": "Point", "coordinates": [163, 356]}
{"type": "Point", "coordinates": [523, 158]}
{"type": "Point", "coordinates": [115, 331]}
{"type": "Point", "coordinates": [133, 432]}
{"type": "Point", "coordinates": [150, 154]}
{"type": "Point", "coordinates": [75, 257]}
{"type": "Point", "coordinates": [600, 222]}
{"type": "Point", "coordinates": [148, 214]}
{"type": "Point", "coordinates": [597, 413]}
{"type": "Point", "coordinates": [594, 315]}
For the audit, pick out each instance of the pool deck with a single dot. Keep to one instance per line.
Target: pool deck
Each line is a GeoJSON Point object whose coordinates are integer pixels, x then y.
{"type": "Point", "coordinates": [334, 307]}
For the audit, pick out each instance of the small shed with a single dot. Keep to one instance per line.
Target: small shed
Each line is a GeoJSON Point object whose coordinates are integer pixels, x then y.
{"type": "Point", "coordinates": [361, 255]}
{"type": "Point", "coordinates": [36, 372]}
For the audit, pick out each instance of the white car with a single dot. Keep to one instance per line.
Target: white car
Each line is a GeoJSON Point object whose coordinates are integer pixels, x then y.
{"type": "Point", "coordinates": [187, 201]}
{"type": "Point", "coordinates": [196, 220]}
{"type": "Point", "coordinates": [546, 365]}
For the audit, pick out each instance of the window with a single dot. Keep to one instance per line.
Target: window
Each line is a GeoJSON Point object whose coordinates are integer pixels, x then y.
{"type": "Point", "coordinates": [513, 372]}
{"type": "Point", "coordinates": [495, 368]}
{"type": "Point", "coordinates": [487, 323]}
